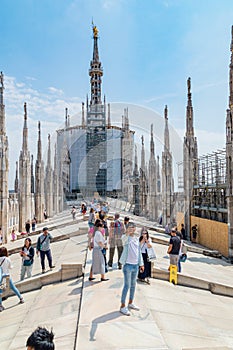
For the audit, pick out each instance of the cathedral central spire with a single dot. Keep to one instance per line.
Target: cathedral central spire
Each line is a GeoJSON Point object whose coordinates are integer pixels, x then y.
{"type": "Point", "coordinates": [95, 71]}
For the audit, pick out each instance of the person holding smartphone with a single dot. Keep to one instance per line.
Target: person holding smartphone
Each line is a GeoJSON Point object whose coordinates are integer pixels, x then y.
{"type": "Point", "coordinates": [131, 259]}
{"type": "Point", "coordinates": [145, 243]}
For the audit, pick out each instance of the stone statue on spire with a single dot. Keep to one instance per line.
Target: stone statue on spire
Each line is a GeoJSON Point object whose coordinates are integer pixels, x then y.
{"type": "Point", "coordinates": [2, 79]}
{"type": "Point", "coordinates": [189, 85]}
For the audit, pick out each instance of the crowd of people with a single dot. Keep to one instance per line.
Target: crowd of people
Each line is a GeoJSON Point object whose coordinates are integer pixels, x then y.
{"type": "Point", "coordinates": [105, 237]}
{"type": "Point", "coordinates": [27, 254]}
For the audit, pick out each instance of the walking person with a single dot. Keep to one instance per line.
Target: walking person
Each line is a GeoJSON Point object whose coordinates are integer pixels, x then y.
{"type": "Point", "coordinates": [13, 235]}
{"type": "Point", "coordinates": [27, 227]}
{"type": "Point", "coordinates": [27, 254]}
{"type": "Point", "coordinates": [73, 212]}
{"type": "Point", "coordinates": [131, 259]}
{"type": "Point", "coordinates": [43, 246]}
{"type": "Point", "coordinates": [83, 210]}
{"type": "Point", "coordinates": [98, 262]}
{"type": "Point", "coordinates": [182, 252]}
{"type": "Point", "coordinates": [183, 232]}
{"type": "Point", "coordinates": [33, 224]}
{"type": "Point", "coordinates": [91, 218]}
{"type": "Point", "coordinates": [194, 233]}
{"type": "Point", "coordinates": [174, 248]}
{"type": "Point", "coordinates": [6, 265]}
{"type": "Point", "coordinates": [115, 241]}
{"type": "Point", "coordinates": [145, 243]}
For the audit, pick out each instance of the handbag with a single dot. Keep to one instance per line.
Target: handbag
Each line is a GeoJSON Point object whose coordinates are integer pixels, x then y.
{"type": "Point", "coordinates": [183, 257]}
{"type": "Point", "coordinates": [103, 250]}
{"type": "Point", "coordinates": [27, 263]}
{"type": "Point", "coordinates": [151, 254]}
{"type": "Point", "coordinates": [91, 245]}
{"type": "Point", "coordinates": [2, 277]}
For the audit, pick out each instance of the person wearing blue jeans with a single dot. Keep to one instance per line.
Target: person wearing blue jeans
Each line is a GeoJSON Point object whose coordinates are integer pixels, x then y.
{"type": "Point", "coordinates": [6, 265]}
{"type": "Point", "coordinates": [131, 259]}
{"type": "Point", "coordinates": [43, 246]}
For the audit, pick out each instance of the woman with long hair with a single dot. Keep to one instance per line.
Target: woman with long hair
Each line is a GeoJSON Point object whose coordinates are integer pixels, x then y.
{"type": "Point", "coordinates": [27, 254]}
{"type": "Point", "coordinates": [6, 265]}
{"type": "Point", "coordinates": [145, 243]}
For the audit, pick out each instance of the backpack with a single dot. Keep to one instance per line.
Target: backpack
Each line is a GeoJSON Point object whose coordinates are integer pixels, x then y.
{"type": "Point", "coordinates": [117, 227]}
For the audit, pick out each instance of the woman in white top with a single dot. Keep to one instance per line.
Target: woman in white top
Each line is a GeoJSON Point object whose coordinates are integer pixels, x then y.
{"type": "Point", "coordinates": [6, 265]}
{"type": "Point", "coordinates": [145, 243]}
{"type": "Point", "coordinates": [131, 259]}
{"type": "Point", "coordinates": [98, 263]}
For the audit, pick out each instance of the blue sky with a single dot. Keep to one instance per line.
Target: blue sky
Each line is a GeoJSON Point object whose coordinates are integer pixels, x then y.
{"type": "Point", "coordinates": [148, 50]}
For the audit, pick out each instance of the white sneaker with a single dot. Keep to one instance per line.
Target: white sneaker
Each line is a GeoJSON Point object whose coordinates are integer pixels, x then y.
{"type": "Point", "coordinates": [124, 310]}
{"type": "Point", "coordinates": [133, 307]}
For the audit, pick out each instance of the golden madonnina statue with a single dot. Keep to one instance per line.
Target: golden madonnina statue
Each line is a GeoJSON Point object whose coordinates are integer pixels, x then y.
{"type": "Point", "coordinates": [95, 32]}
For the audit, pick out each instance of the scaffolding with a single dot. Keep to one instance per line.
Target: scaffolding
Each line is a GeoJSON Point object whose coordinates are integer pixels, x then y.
{"type": "Point", "coordinates": [209, 190]}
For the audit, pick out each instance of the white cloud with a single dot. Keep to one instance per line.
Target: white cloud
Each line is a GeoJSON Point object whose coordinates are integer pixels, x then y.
{"type": "Point", "coordinates": [54, 90]}
{"type": "Point", "coordinates": [47, 108]}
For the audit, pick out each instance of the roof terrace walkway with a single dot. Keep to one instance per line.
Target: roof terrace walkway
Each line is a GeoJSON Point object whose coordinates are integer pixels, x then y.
{"type": "Point", "coordinates": [85, 315]}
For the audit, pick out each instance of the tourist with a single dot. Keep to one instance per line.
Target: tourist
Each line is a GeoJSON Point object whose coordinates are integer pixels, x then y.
{"type": "Point", "coordinates": [115, 241]}
{"type": "Point", "coordinates": [126, 222]}
{"type": "Point", "coordinates": [6, 265]}
{"type": "Point", "coordinates": [13, 235]}
{"type": "Point", "coordinates": [40, 339]}
{"type": "Point", "coordinates": [145, 243]}
{"type": "Point", "coordinates": [43, 246]}
{"type": "Point", "coordinates": [27, 227]}
{"type": "Point", "coordinates": [98, 262]}
{"type": "Point", "coordinates": [167, 229]}
{"type": "Point", "coordinates": [131, 259]}
{"type": "Point", "coordinates": [174, 248]}
{"type": "Point", "coordinates": [45, 214]}
{"type": "Point", "coordinates": [103, 217]}
{"type": "Point", "coordinates": [73, 212]}
{"type": "Point", "coordinates": [83, 210]}
{"type": "Point", "coordinates": [91, 218]}
{"type": "Point", "coordinates": [179, 234]}
{"type": "Point", "coordinates": [183, 232]}
{"type": "Point", "coordinates": [194, 233]}
{"type": "Point", "coordinates": [33, 224]}
{"type": "Point", "coordinates": [27, 254]}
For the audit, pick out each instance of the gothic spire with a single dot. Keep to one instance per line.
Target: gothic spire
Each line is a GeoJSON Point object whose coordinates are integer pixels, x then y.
{"type": "Point", "coordinates": [95, 71]}
{"type": "Point", "coordinates": [83, 116]}
{"type": "Point", "coordinates": [135, 172]}
{"type": "Point", "coordinates": [143, 162]}
{"type": "Point", "coordinates": [109, 116]}
{"type": "Point", "coordinates": [32, 176]}
{"type": "Point", "coordinates": [152, 145]}
{"type": "Point", "coordinates": [66, 117]}
{"type": "Point", "coordinates": [25, 130]}
{"type": "Point", "coordinates": [49, 153]}
{"type": "Point", "coordinates": [166, 131]}
{"type": "Point", "coordinates": [16, 179]}
{"type": "Point", "coordinates": [2, 106]}
{"type": "Point", "coordinates": [231, 74]}
{"type": "Point", "coordinates": [189, 111]}
{"type": "Point", "coordinates": [39, 148]}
